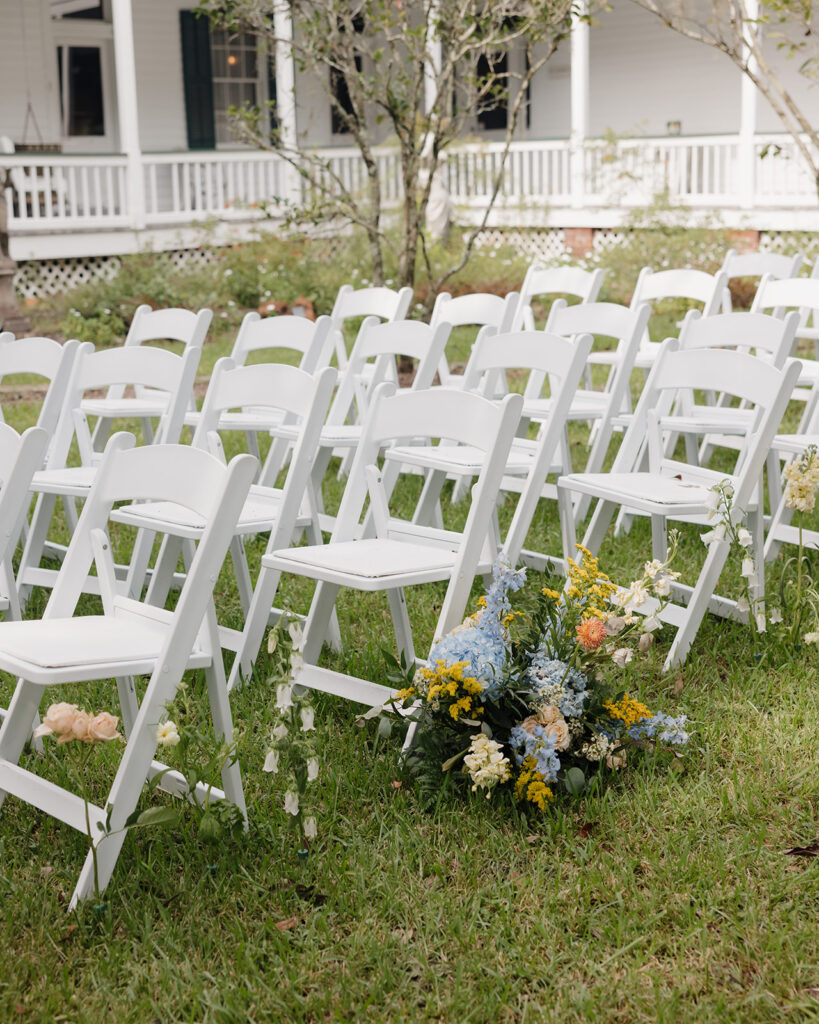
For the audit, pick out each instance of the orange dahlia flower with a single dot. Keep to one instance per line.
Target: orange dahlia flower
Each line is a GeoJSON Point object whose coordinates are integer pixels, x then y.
{"type": "Point", "coordinates": [591, 633]}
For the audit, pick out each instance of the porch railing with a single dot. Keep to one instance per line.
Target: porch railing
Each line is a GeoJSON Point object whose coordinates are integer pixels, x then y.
{"type": "Point", "coordinates": [61, 193]}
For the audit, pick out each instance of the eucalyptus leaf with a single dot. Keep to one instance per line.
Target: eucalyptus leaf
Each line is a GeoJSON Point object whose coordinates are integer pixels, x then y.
{"type": "Point", "coordinates": [575, 781]}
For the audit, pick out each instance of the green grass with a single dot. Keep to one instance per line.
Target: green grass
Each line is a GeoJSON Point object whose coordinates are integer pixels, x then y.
{"type": "Point", "coordinates": [667, 897]}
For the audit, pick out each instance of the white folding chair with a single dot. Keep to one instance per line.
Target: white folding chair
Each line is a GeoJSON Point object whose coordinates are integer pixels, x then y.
{"type": "Point", "coordinates": [582, 284]}
{"type": "Point", "coordinates": [166, 373]}
{"type": "Point", "coordinates": [45, 358]}
{"type": "Point", "coordinates": [656, 286]}
{"type": "Point", "coordinates": [480, 309]}
{"type": "Point", "coordinates": [757, 264]}
{"type": "Point", "coordinates": [671, 490]}
{"type": "Point", "coordinates": [280, 511]}
{"type": "Point", "coordinates": [545, 357]}
{"type": "Point", "coordinates": [385, 303]}
{"type": "Point", "coordinates": [128, 639]}
{"type": "Point", "coordinates": [396, 553]}
{"type": "Point", "coordinates": [149, 325]}
{"type": "Point", "coordinates": [802, 294]}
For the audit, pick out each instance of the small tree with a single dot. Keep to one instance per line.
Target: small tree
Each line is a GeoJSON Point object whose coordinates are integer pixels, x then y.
{"type": "Point", "coordinates": [740, 29]}
{"type": "Point", "coordinates": [415, 70]}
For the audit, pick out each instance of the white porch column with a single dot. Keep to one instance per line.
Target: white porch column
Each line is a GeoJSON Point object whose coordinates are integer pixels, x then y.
{"type": "Point", "coordinates": [125, 66]}
{"type": "Point", "coordinates": [749, 96]}
{"type": "Point", "coordinates": [579, 45]}
{"type": "Point", "coordinates": [286, 94]}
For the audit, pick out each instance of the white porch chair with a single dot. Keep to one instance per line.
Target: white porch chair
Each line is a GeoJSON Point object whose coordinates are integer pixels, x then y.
{"type": "Point", "coordinates": [387, 304]}
{"type": "Point", "coordinates": [169, 375]}
{"type": "Point", "coordinates": [280, 511]}
{"type": "Point", "coordinates": [397, 553]}
{"type": "Point", "coordinates": [128, 639]}
{"type": "Point", "coordinates": [757, 264]}
{"type": "Point", "coordinates": [480, 309]}
{"type": "Point", "coordinates": [582, 284]}
{"type": "Point", "coordinates": [149, 325]}
{"type": "Point", "coordinates": [671, 490]}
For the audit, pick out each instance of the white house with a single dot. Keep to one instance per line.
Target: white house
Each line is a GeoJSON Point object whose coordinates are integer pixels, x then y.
{"type": "Point", "coordinates": [116, 110]}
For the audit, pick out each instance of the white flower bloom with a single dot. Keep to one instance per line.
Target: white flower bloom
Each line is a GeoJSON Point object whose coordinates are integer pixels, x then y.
{"type": "Point", "coordinates": [312, 769]}
{"type": "Point", "coordinates": [744, 537]}
{"type": "Point", "coordinates": [742, 605]}
{"type": "Point", "coordinates": [280, 732]}
{"type": "Point", "coordinates": [296, 663]}
{"type": "Point", "coordinates": [284, 696]}
{"type": "Point", "coordinates": [662, 587]}
{"type": "Point", "coordinates": [485, 764]}
{"type": "Point", "coordinates": [651, 623]}
{"type": "Point", "coordinates": [717, 534]}
{"type": "Point", "coordinates": [775, 616]}
{"type": "Point", "coordinates": [652, 568]}
{"type": "Point", "coordinates": [271, 762]}
{"type": "Point", "coordinates": [291, 802]}
{"type": "Point", "coordinates": [760, 622]}
{"type": "Point", "coordinates": [310, 829]}
{"type": "Point", "coordinates": [167, 735]}
{"type": "Point", "coordinates": [811, 638]}
{"type": "Point", "coordinates": [307, 715]}
{"type": "Point", "coordinates": [622, 656]}
{"type": "Point", "coordinates": [748, 567]}
{"type": "Point", "coordinates": [296, 631]}
{"type": "Point", "coordinates": [712, 503]}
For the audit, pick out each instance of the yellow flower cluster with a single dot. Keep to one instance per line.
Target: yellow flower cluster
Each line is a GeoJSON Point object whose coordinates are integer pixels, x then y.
{"type": "Point", "coordinates": [803, 479]}
{"type": "Point", "coordinates": [553, 594]}
{"type": "Point", "coordinates": [408, 691]}
{"type": "Point", "coordinates": [587, 584]}
{"type": "Point", "coordinates": [628, 710]}
{"type": "Point", "coordinates": [530, 786]}
{"type": "Point", "coordinates": [446, 681]}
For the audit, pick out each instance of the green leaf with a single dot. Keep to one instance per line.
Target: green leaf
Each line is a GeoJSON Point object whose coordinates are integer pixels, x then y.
{"type": "Point", "coordinates": [575, 781]}
{"type": "Point", "coordinates": [384, 727]}
{"type": "Point", "coordinates": [156, 816]}
{"type": "Point", "coordinates": [209, 828]}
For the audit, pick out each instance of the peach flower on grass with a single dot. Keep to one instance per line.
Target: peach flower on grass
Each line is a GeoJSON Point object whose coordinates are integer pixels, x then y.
{"type": "Point", "coordinates": [58, 720]}
{"type": "Point", "coordinates": [103, 727]}
{"type": "Point", "coordinates": [591, 634]}
{"type": "Point", "coordinates": [557, 730]}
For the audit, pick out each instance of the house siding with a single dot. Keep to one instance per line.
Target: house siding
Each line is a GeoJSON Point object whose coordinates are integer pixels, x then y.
{"type": "Point", "coordinates": [28, 72]}
{"type": "Point", "coordinates": [160, 91]}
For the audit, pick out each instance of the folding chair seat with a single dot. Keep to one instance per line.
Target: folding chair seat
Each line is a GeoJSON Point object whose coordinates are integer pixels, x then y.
{"type": "Point", "coordinates": [126, 640]}
{"type": "Point", "coordinates": [164, 372]}
{"type": "Point", "coordinates": [280, 511]}
{"type": "Point", "coordinates": [480, 309]}
{"type": "Point", "coordinates": [387, 304]}
{"type": "Point", "coordinates": [756, 264]}
{"type": "Point", "coordinates": [655, 286]}
{"type": "Point", "coordinates": [148, 325]}
{"type": "Point", "coordinates": [395, 553]}
{"type": "Point", "coordinates": [672, 490]}
{"type": "Point", "coordinates": [581, 284]}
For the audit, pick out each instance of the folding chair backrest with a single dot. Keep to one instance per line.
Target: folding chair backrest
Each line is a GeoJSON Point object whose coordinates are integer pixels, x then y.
{"type": "Point", "coordinates": [436, 413]}
{"type": "Point", "coordinates": [21, 455]}
{"type": "Point", "coordinates": [169, 325]}
{"type": "Point", "coordinates": [44, 358]}
{"type": "Point", "coordinates": [751, 332]}
{"type": "Point", "coordinates": [625, 324]}
{"type": "Point", "coordinates": [582, 284]}
{"type": "Point", "coordinates": [755, 381]}
{"type": "Point", "coordinates": [311, 338]}
{"type": "Point", "coordinates": [758, 264]}
{"type": "Point", "coordinates": [120, 367]}
{"type": "Point", "coordinates": [683, 283]}
{"type": "Point", "coordinates": [788, 293]}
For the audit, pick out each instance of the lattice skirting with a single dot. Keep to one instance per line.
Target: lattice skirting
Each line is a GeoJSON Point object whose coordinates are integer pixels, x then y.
{"type": "Point", "coordinates": [38, 278]}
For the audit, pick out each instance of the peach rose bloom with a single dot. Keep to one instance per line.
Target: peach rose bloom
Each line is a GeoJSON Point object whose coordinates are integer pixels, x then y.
{"type": "Point", "coordinates": [559, 732]}
{"type": "Point", "coordinates": [103, 727]}
{"type": "Point", "coordinates": [60, 717]}
{"type": "Point", "coordinates": [79, 728]}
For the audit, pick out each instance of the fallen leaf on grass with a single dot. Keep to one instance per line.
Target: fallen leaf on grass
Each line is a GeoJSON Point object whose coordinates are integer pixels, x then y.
{"type": "Point", "coordinates": [813, 992]}
{"type": "Point", "coordinates": [397, 784]}
{"type": "Point", "coordinates": [679, 683]}
{"type": "Point", "coordinates": [69, 932]}
{"type": "Point", "coordinates": [287, 924]}
{"type": "Point", "coordinates": [804, 851]}
{"type": "Point", "coordinates": [585, 829]}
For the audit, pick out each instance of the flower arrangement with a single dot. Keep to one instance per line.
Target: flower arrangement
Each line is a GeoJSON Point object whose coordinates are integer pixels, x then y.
{"type": "Point", "coordinates": [531, 702]}
{"type": "Point", "coordinates": [293, 753]}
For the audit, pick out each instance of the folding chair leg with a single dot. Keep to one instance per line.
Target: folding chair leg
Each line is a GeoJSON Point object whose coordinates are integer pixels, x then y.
{"type": "Point", "coordinates": [256, 620]}
{"type": "Point", "coordinates": [16, 727]}
{"type": "Point", "coordinates": [774, 473]}
{"type": "Point", "coordinates": [401, 624]}
{"type": "Point", "coordinates": [659, 537]}
{"type": "Point", "coordinates": [568, 536]}
{"type": "Point", "coordinates": [757, 530]}
{"type": "Point", "coordinates": [162, 576]}
{"type": "Point", "coordinates": [424, 513]}
{"type": "Point", "coordinates": [35, 542]}
{"type": "Point", "coordinates": [600, 522]}
{"type": "Point", "coordinates": [698, 604]}
{"type": "Point", "coordinates": [128, 703]}
{"type": "Point", "coordinates": [315, 630]}
{"type": "Point", "coordinates": [243, 582]}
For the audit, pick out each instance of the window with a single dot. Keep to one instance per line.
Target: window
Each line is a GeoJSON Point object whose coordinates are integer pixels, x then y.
{"type": "Point", "coordinates": [235, 77]}
{"type": "Point", "coordinates": [81, 105]}
{"type": "Point", "coordinates": [495, 114]}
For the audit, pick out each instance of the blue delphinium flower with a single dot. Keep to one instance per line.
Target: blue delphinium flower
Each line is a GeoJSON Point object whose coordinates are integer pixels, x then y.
{"type": "Point", "coordinates": [553, 682]}
{"type": "Point", "coordinates": [663, 728]}
{"type": "Point", "coordinates": [485, 654]}
{"type": "Point", "coordinates": [536, 744]}
{"type": "Point", "coordinates": [505, 581]}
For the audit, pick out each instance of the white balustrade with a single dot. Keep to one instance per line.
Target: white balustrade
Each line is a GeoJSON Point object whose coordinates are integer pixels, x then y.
{"type": "Point", "coordinates": [52, 192]}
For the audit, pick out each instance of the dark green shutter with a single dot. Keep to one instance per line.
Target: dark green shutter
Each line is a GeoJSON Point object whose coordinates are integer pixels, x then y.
{"type": "Point", "coordinates": [271, 92]}
{"type": "Point", "coordinates": [198, 78]}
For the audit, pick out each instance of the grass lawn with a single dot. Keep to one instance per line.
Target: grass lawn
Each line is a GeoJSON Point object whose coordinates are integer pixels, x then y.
{"type": "Point", "coordinates": [667, 897]}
